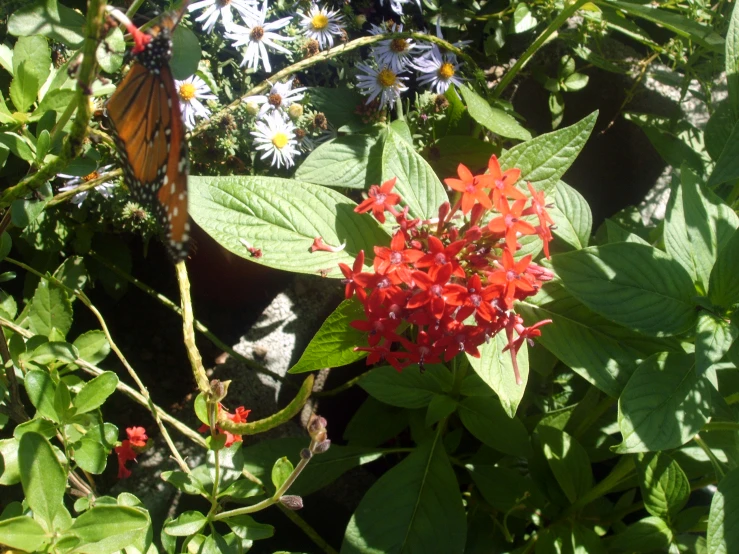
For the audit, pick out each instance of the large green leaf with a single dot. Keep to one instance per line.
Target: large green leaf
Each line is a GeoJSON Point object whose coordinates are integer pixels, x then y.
{"type": "Point", "coordinates": [495, 367]}
{"type": "Point", "coordinates": [43, 478]}
{"type": "Point", "coordinates": [572, 216]}
{"type": "Point", "coordinates": [723, 521]}
{"type": "Point", "coordinates": [282, 218]}
{"type": "Point", "coordinates": [352, 161]}
{"type": "Point", "coordinates": [93, 394]}
{"type": "Point", "coordinates": [678, 143]}
{"type": "Point", "coordinates": [649, 534]}
{"type": "Point", "coordinates": [47, 18]}
{"type": "Point", "coordinates": [333, 345]}
{"type": "Point", "coordinates": [486, 419]}
{"type": "Point", "coordinates": [409, 388]}
{"type": "Point", "coordinates": [632, 284]}
{"type": "Point", "coordinates": [107, 529]}
{"type": "Point", "coordinates": [504, 488]}
{"type": "Point", "coordinates": [23, 533]}
{"type": "Point", "coordinates": [732, 62]}
{"type": "Point", "coordinates": [415, 507]}
{"type": "Point", "coordinates": [50, 309]}
{"type": "Point", "coordinates": [664, 404]}
{"type": "Point", "coordinates": [723, 284]}
{"type": "Point", "coordinates": [494, 119]}
{"type": "Point", "coordinates": [568, 461]}
{"type": "Point", "coordinates": [448, 152]}
{"type": "Point", "coordinates": [41, 390]}
{"type": "Point", "coordinates": [339, 105]}
{"type": "Point", "coordinates": [322, 470]}
{"type": "Point", "coordinates": [544, 159]}
{"type": "Point", "coordinates": [664, 486]}
{"type": "Point", "coordinates": [713, 339]}
{"type": "Point", "coordinates": [185, 53]}
{"type": "Point", "coordinates": [417, 183]}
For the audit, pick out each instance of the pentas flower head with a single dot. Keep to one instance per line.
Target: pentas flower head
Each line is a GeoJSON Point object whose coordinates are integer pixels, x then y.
{"type": "Point", "coordinates": [445, 286]}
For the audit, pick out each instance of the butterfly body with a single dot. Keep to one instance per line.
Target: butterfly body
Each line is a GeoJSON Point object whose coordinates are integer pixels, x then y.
{"type": "Point", "coordinates": [144, 112]}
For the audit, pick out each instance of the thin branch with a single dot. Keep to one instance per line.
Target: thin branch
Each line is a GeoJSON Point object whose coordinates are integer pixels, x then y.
{"type": "Point", "coordinates": [67, 194]}
{"type": "Point", "coordinates": [196, 361]}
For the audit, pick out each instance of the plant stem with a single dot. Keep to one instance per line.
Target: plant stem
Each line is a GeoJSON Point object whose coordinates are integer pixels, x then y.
{"type": "Point", "coordinates": [144, 392]}
{"type": "Point", "coordinates": [67, 194]}
{"type": "Point", "coordinates": [556, 23]}
{"type": "Point", "coordinates": [711, 456]}
{"type": "Point", "coordinates": [94, 370]}
{"type": "Point", "coordinates": [251, 364]}
{"type": "Point", "coordinates": [196, 362]}
{"type": "Point", "coordinates": [721, 426]}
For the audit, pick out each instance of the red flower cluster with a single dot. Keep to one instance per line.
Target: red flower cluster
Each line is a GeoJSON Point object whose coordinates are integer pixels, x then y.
{"type": "Point", "coordinates": [437, 274]}
{"type": "Point", "coordinates": [129, 449]}
{"type": "Point", "coordinates": [239, 416]}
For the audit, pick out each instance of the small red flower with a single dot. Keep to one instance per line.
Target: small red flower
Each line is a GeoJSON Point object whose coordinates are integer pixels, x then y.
{"type": "Point", "coordinates": [502, 181]}
{"type": "Point", "coordinates": [474, 298]}
{"type": "Point", "coordinates": [137, 436]}
{"type": "Point", "coordinates": [350, 274]}
{"type": "Point", "coordinates": [515, 323]}
{"type": "Point", "coordinates": [510, 223]}
{"type": "Point", "coordinates": [423, 350]}
{"type": "Point", "coordinates": [396, 258]}
{"type": "Point", "coordinates": [539, 208]}
{"type": "Point", "coordinates": [433, 291]}
{"type": "Point", "coordinates": [511, 277]}
{"type": "Point", "coordinates": [441, 255]}
{"type": "Point", "coordinates": [472, 189]}
{"type": "Point", "coordinates": [380, 199]}
{"type": "Point", "coordinates": [129, 449]}
{"type": "Point", "coordinates": [239, 416]}
{"type": "Point", "coordinates": [381, 353]}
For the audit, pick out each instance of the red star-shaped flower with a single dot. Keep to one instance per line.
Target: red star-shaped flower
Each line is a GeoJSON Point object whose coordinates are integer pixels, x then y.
{"type": "Point", "coordinates": [471, 187]}
{"type": "Point", "coordinates": [510, 223]}
{"type": "Point", "coordinates": [396, 258]}
{"type": "Point", "coordinates": [501, 182]}
{"type": "Point", "coordinates": [349, 275]}
{"type": "Point", "coordinates": [380, 199]}
{"type": "Point", "coordinates": [511, 277]}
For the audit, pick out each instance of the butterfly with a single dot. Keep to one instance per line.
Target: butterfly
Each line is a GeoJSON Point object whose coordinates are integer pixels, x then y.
{"type": "Point", "coordinates": [144, 112]}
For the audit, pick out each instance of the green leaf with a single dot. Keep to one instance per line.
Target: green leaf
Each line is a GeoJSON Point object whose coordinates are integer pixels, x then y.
{"type": "Point", "coordinates": [544, 159]}
{"type": "Point", "coordinates": [19, 147]}
{"type": "Point", "coordinates": [43, 478]}
{"type": "Point", "coordinates": [281, 471]}
{"type": "Point", "coordinates": [43, 143]}
{"type": "Point", "coordinates": [320, 472]}
{"type": "Point", "coordinates": [493, 119]}
{"type": "Point", "coordinates": [282, 218]}
{"type": "Point", "coordinates": [664, 486]}
{"type": "Point", "coordinates": [90, 456]}
{"type": "Point", "coordinates": [678, 143]}
{"type": "Point", "coordinates": [333, 345]}
{"type": "Point", "coordinates": [54, 352]}
{"type": "Point", "coordinates": [409, 388]}
{"type": "Point", "coordinates": [185, 53]}
{"type": "Point", "coordinates": [111, 51]}
{"type": "Point", "coordinates": [713, 339]}
{"type": "Point", "coordinates": [50, 309]}
{"type": "Point", "coordinates": [441, 406]}
{"type": "Point", "coordinates": [375, 423]}
{"type": "Point", "coordinates": [675, 22]}
{"type": "Point", "coordinates": [646, 535]}
{"type": "Point", "coordinates": [6, 243]}
{"type": "Point", "coordinates": [503, 488]}
{"type": "Point", "coordinates": [572, 538]}
{"type": "Point", "coordinates": [664, 404]}
{"type": "Point", "coordinates": [41, 390]}
{"type": "Point", "coordinates": [186, 482]}
{"type": "Point", "coordinates": [10, 474]}
{"type": "Point", "coordinates": [246, 528]}
{"type": "Point", "coordinates": [575, 82]}
{"type": "Point", "coordinates": [240, 490]}
{"type": "Point", "coordinates": [339, 105]}
{"type": "Point", "coordinates": [495, 367]}
{"type": "Point", "coordinates": [107, 529]}
{"type": "Point", "coordinates": [22, 533]}
{"type": "Point", "coordinates": [718, 129]}
{"type": "Point", "coordinates": [45, 17]}
{"type": "Point", "coordinates": [231, 464]}
{"type": "Point", "coordinates": [634, 285]}
{"type": "Point", "coordinates": [23, 91]}
{"type": "Point", "coordinates": [523, 19]}
{"type": "Point", "coordinates": [417, 183]}
{"type": "Point", "coordinates": [422, 494]}
{"type": "Point", "coordinates": [93, 394]}
{"type": "Point", "coordinates": [41, 426]}
{"type": "Point", "coordinates": [92, 346]}
{"type": "Point", "coordinates": [186, 524]}
{"type": "Point", "coordinates": [723, 521]}
{"type": "Point", "coordinates": [486, 419]}
{"type": "Point", "coordinates": [6, 62]}
{"type": "Point", "coordinates": [25, 212]}
{"type": "Point", "coordinates": [450, 151]}
{"type": "Point", "coordinates": [351, 161]}
{"type": "Point", "coordinates": [572, 216]}
{"type": "Point", "coordinates": [723, 284]}
{"type": "Point", "coordinates": [62, 402]}
{"type": "Point", "coordinates": [568, 461]}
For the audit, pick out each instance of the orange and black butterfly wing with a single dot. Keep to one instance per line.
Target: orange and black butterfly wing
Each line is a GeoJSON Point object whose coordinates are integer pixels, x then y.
{"type": "Point", "coordinates": [145, 114]}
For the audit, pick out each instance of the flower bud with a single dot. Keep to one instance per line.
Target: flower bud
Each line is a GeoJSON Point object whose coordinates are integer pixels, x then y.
{"type": "Point", "coordinates": [306, 454]}
{"type": "Point", "coordinates": [292, 502]}
{"type": "Point", "coordinates": [360, 19]}
{"type": "Point", "coordinates": [321, 447]}
{"type": "Point", "coordinates": [219, 389]}
{"type": "Point", "coordinates": [295, 111]}
{"type": "Point", "coordinates": [316, 426]}
{"type": "Point", "coordinates": [252, 108]}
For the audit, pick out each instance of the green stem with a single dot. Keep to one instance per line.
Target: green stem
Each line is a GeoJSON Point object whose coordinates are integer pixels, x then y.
{"type": "Point", "coordinates": [322, 57]}
{"type": "Point", "coordinates": [711, 456]}
{"type": "Point", "coordinates": [721, 426]}
{"type": "Point", "coordinates": [623, 469]}
{"type": "Point", "coordinates": [67, 194]}
{"type": "Point", "coordinates": [546, 34]}
{"type": "Point", "coordinates": [73, 144]}
{"type": "Point", "coordinates": [196, 362]}
{"type": "Point", "coordinates": [287, 413]}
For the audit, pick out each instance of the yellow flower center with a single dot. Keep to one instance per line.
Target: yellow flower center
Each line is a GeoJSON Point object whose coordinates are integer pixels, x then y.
{"type": "Point", "coordinates": [280, 140]}
{"type": "Point", "coordinates": [187, 91]}
{"type": "Point", "coordinates": [319, 21]}
{"type": "Point", "coordinates": [91, 176]}
{"type": "Point", "coordinates": [399, 45]}
{"type": "Point", "coordinates": [386, 78]}
{"type": "Point", "coordinates": [446, 71]}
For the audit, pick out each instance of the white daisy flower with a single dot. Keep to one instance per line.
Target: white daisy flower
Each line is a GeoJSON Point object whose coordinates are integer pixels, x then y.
{"type": "Point", "coordinates": [385, 83]}
{"type": "Point", "coordinates": [322, 25]}
{"type": "Point", "coordinates": [280, 97]}
{"type": "Point", "coordinates": [393, 53]}
{"type": "Point", "coordinates": [105, 188]}
{"type": "Point", "coordinates": [275, 135]}
{"type": "Point", "coordinates": [215, 8]}
{"type": "Point", "coordinates": [257, 35]}
{"type": "Point", "coordinates": [191, 91]}
{"type": "Point", "coordinates": [438, 70]}
{"type": "Point", "coordinates": [397, 5]}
